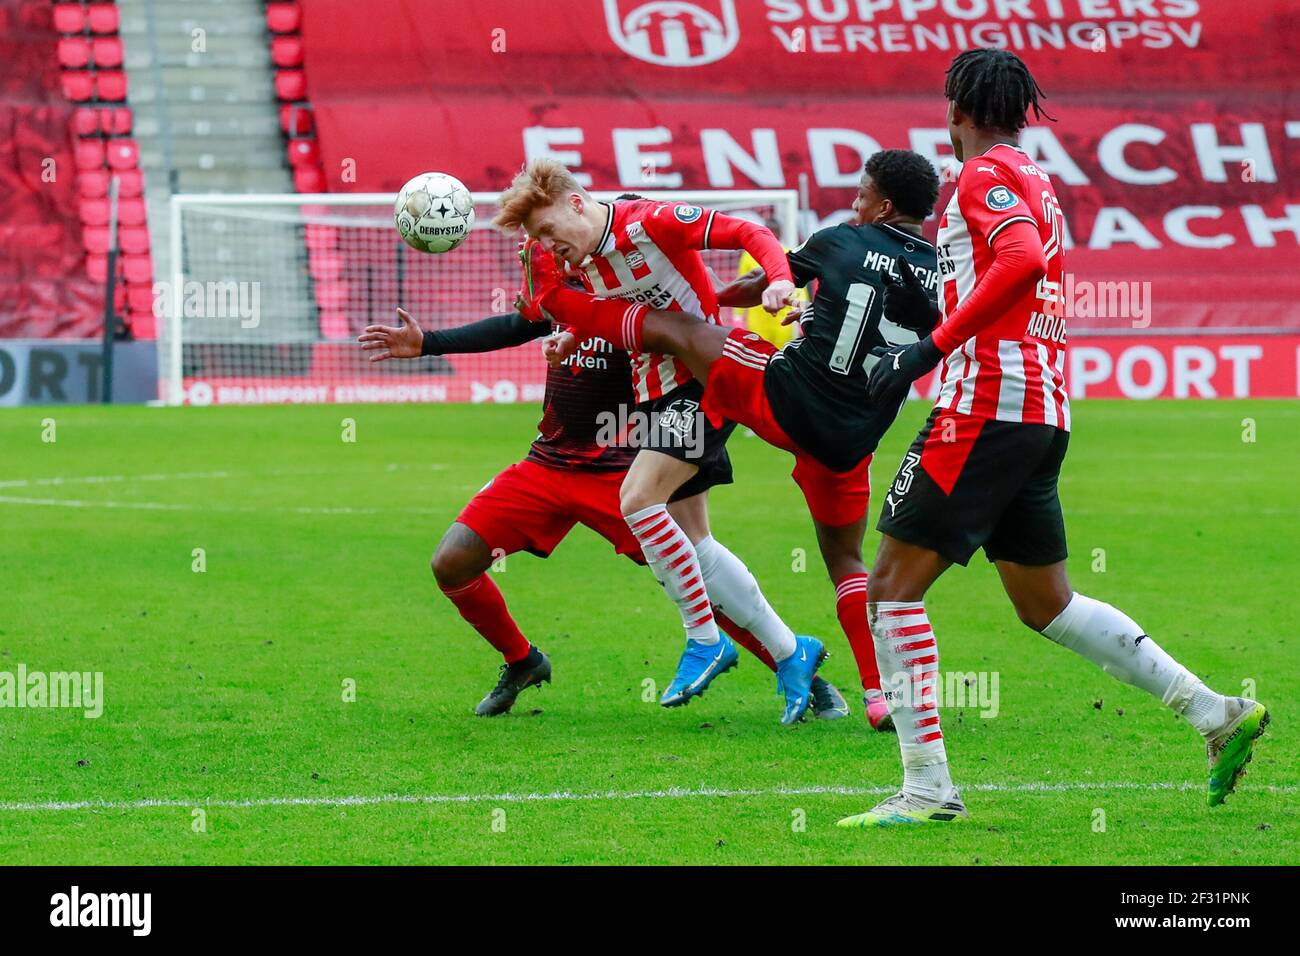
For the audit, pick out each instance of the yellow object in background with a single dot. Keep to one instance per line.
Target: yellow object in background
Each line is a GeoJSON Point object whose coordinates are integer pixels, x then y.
{"type": "Point", "coordinates": [758, 319]}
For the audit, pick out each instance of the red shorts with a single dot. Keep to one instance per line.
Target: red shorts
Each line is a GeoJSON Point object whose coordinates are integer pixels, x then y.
{"type": "Point", "coordinates": [735, 391]}
{"type": "Point", "coordinates": [531, 507]}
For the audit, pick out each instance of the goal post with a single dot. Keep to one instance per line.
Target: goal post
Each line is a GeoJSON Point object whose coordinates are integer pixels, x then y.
{"type": "Point", "coordinates": [263, 296]}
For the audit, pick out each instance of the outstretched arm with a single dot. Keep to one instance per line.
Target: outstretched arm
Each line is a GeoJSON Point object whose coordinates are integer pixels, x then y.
{"type": "Point", "coordinates": [731, 232]}
{"type": "Point", "coordinates": [486, 335]}
{"type": "Point", "coordinates": [744, 292]}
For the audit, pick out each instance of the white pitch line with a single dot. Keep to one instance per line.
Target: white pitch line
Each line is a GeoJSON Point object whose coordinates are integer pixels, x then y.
{"type": "Point", "coordinates": [247, 509]}
{"type": "Point", "coordinates": [59, 481]}
{"type": "Point", "coordinates": [192, 475]}
{"type": "Point", "coordinates": [567, 796]}
{"type": "Point", "coordinates": [104, 479]}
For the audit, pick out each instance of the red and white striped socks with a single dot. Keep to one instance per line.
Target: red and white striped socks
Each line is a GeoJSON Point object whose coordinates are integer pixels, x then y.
{"type": "Point", "coordinates": [851, 609]}
{"type": "Point", "coordinates": [675, 565]}
{"type": "Point", "coordinates": [909, 673]}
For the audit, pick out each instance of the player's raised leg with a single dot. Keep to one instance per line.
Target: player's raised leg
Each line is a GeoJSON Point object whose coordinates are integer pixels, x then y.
{"type": "Point", "coordinates": [1114, 642]}
{"type": "Point", "coordinates": [460, 566]}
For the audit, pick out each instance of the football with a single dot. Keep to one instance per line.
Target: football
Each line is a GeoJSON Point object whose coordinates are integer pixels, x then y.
{"type": "Point", "coordinates": [434, 212]}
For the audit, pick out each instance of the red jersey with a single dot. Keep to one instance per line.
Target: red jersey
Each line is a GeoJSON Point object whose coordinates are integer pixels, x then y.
{"type": "Point", "coordinates": [650, 253]}
{"type": "Point", "coordinates": [1013, 368]}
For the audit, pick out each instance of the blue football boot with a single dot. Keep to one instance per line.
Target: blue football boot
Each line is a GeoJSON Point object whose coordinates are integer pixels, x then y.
{"type": "Point", "coordinates": [699, 665]}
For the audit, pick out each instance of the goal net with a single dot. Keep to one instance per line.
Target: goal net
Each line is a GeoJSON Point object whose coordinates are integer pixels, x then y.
{"type": "Point", "coordinates": [266, 295]}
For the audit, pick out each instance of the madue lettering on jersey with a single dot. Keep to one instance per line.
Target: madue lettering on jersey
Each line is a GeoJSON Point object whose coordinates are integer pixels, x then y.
{"type": "Point", "coordinates": [1045, 326]}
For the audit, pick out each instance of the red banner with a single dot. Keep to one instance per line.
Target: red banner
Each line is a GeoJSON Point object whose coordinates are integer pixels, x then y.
{"type": "Point", "coordinates": [1114, 366]}
{"type": "Point", "coordinates": [1176, 151]}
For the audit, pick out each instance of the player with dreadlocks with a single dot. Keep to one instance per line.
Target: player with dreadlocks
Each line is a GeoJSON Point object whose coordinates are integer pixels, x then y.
{"type": "Point", "coordinates": [983, 471]}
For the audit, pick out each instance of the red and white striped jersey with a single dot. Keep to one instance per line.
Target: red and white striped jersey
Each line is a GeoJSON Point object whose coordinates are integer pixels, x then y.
{"type": "Point", "coordinates": [1013, 369]}
{"type": "Point", "coordinates": [650, 254]}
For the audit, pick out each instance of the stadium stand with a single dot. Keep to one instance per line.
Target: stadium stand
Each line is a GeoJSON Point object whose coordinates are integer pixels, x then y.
{"type": "Point", "coordinates": [44, 284]}
{"type": "Point", "coordinates": [91, 55]}
{"type": "Point", "coordinates": [167, 96]}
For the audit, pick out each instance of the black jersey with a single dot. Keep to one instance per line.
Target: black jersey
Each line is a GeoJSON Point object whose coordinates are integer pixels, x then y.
{"type": "Point", "coordinates": [590, 386]}
{"type": "Point", "coordinates": [816, 385]}
{"type": "Point", "coordinates": [584, 393]}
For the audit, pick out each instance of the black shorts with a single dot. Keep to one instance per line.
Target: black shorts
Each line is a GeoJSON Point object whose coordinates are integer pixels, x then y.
{"type": "Point", "coordinates": [675, 425]}
{"type": "Point", "coordinates": [968, 483]}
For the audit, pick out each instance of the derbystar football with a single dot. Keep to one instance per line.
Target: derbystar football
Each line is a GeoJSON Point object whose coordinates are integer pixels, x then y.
{"type": "Point", "coordinates": [434, 212]}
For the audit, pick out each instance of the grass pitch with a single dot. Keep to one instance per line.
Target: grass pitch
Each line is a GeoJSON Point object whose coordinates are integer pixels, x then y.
{"type": "Point", "coordinates": [224, 689]}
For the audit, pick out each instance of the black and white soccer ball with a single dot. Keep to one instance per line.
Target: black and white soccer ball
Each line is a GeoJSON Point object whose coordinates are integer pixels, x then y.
{"type": "Point", "coordinates": [434, 212]}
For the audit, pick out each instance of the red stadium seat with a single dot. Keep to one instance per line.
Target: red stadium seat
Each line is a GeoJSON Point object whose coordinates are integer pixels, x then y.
{"type": "Point", "coordinates": [92, 183]}
{"type": "Point", "coordinates": [85, 121]}
{"type": "Point", "coordinates": [130, 183]}
{"type": "Point", "coordinates": [283, 17]}
{"type": "Point", "coordinates": [78, 85]}
{"type": "Point", "coordinates": [131, 212]}
{"type": "Point", "coordinates": [296, 119]}
{"type": "Point", "coordinates": [123, 154]}
{"type": "Point", "coordinates": [97, 267]}
{"type": "Point", "coordinates": [69, 17]}
{"type": "Point", "coordinates": [103, 18]}
{"type": "Point", "coordinates": [144, 325]}
{"type": "Point", "coordinates": [74, 52]}
{"type": "Point", "coordinates": [116, 120]}
{"type": "Point", "coordinates": [290, 84]}
{"type": "Point", "coordinates": [140, 298]}
{"type": "Point", "coordinates": [332, 294]}
{"type": "Point", "coordinates": [309, 179]}
{"type": "Point", "coordinates": [304, 152]}
{"type": "Point", "coordinates": [286, 51]}
{"type": "Point", "coordinates": [133, 239]}
{"type": "Point", "coordinates": [321, 238]}
{"type": "Point", "coordinates": [334, 324]}
{"type": "Point", "coordinates": [94, 212]}
{"type": "Point", "coordinates": [89, 153]}
{"type": "Point", "coordinates": [325, 265]}
{"type": "Point", "coordinates": [95, 239]}
{"type": "Point", "coordinates": [137, 268]}
{"type": "Point", "coordinates": [107, 52]}
{"type": "Point", "coordinates": [110, 86]}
